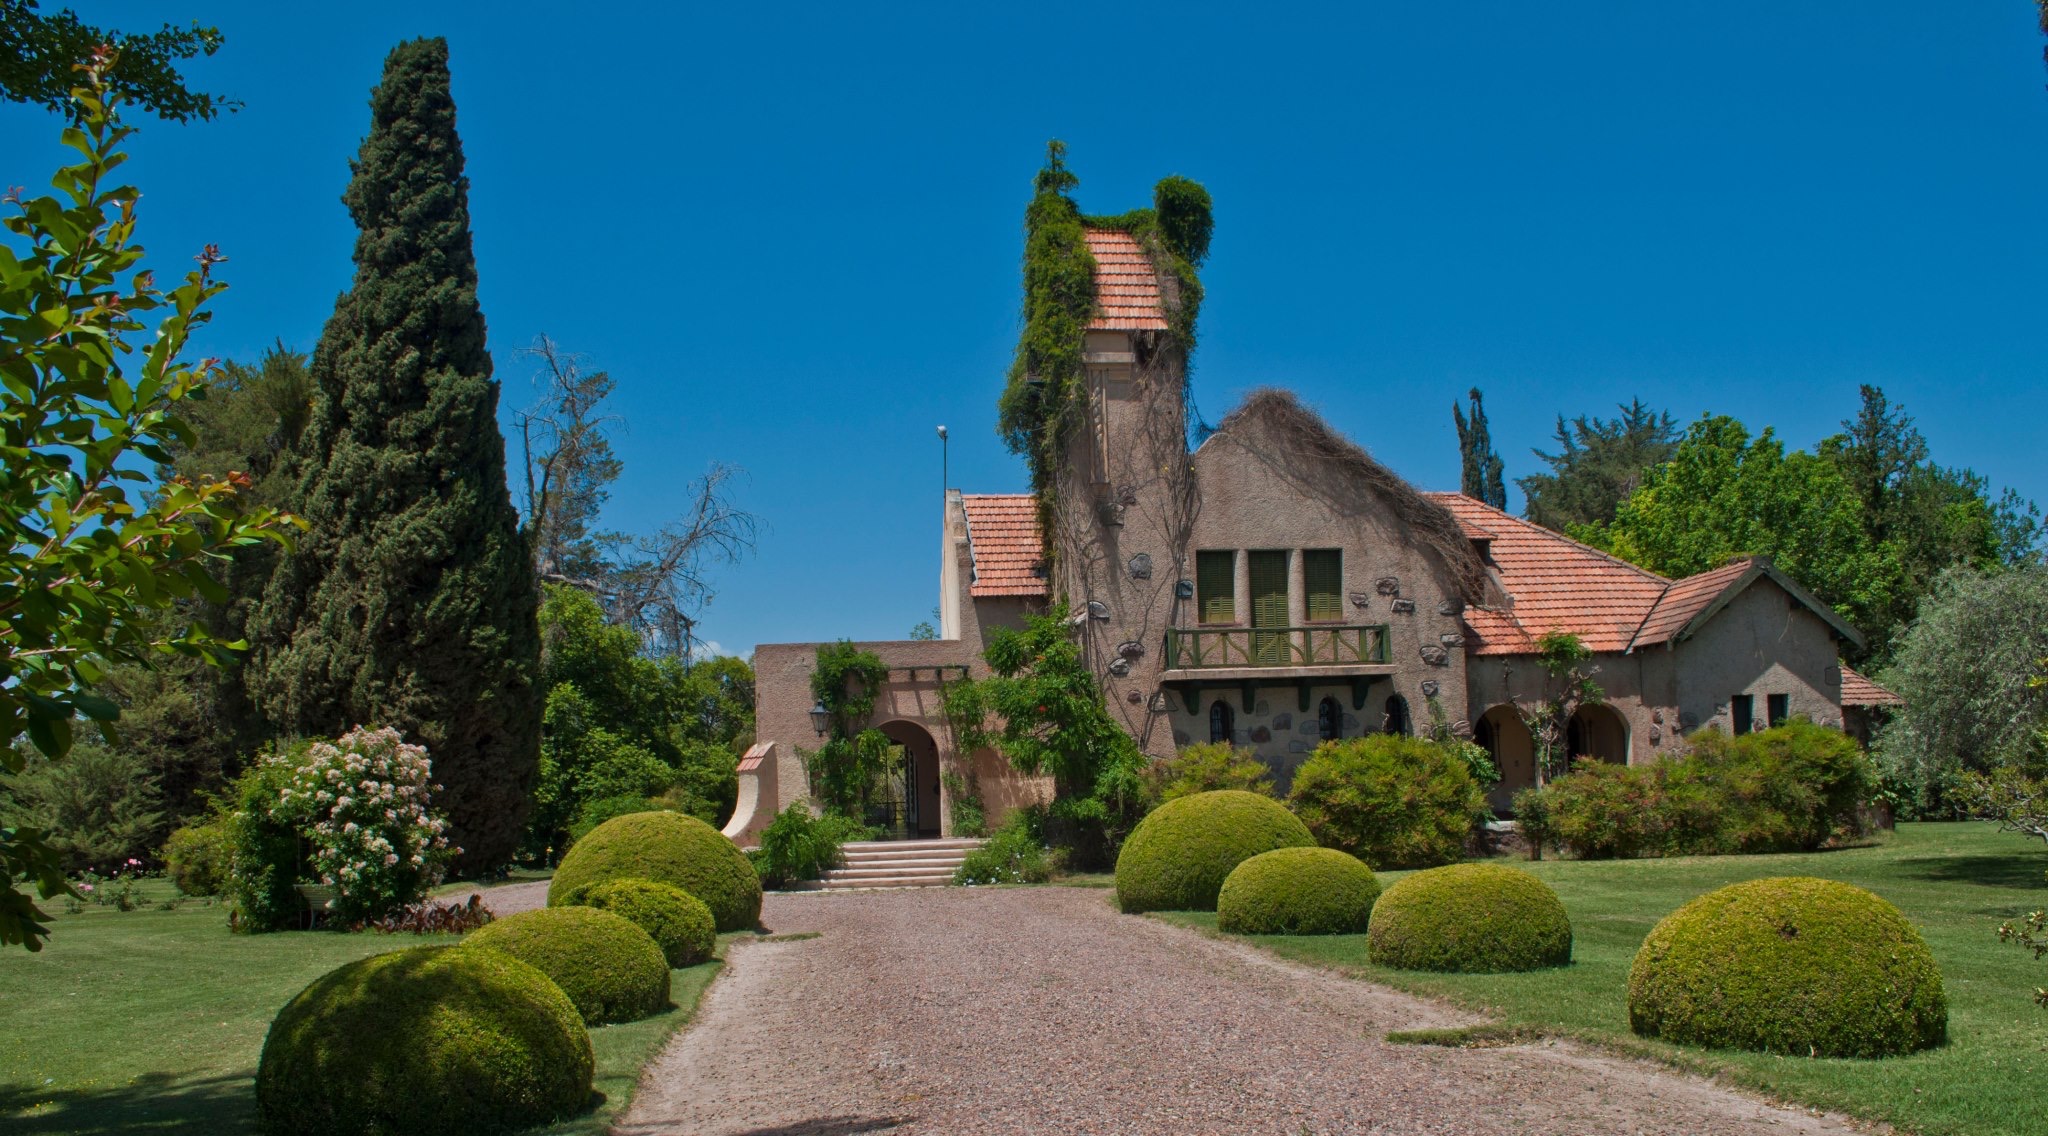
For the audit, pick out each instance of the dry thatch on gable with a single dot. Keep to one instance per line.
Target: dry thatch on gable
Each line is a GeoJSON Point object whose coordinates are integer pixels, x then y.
{"type": "Point", "coordinates": [1297, 441]}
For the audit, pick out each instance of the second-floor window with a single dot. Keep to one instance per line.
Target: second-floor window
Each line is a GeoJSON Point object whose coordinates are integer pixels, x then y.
{"type": "Point", "coordinates": [1216, 586]}
{"type": "Point", "coordinates": [1322, 577]}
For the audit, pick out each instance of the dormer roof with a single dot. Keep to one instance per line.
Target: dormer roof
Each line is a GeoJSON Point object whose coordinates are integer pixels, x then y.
{"type": "Point", "coordinates": [1126, 285]}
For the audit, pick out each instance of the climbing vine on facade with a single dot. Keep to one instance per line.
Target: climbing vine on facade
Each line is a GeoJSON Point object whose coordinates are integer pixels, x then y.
{"type": "Point", "coordinates": [1046, 391]}
{"type": "Point", "coordinates": [845, 771]}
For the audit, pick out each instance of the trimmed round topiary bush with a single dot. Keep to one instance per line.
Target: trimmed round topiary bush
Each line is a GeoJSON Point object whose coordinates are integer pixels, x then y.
{"type": "Point", "coordinates": [434, 1041]}
{"type": "Point", "coordinates": [668, 848]}
{"type": "Point", "coordinates": [1789, 965]}
{"type": "Point", "coordinates": [610, 969]}
{"type": "Point", "coordinates": [1471, 919]}
{"type": "Point", "coordinates": [678, 922]}
{"type": "Point", "coordinates": [1298, 891]}
{"type": "Point", "coordinates": [1179, 856]}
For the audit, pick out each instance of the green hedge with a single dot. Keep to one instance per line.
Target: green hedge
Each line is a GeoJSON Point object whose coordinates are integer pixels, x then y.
{"type": "Point", "coordinates": [198, 856]}
{"type": "Point", "coordinates": [1789, 965]}
{"type": "Point", "coordinates": [433, 1041]}
{"type": "Point", "coordinates": [1793, 788]}
{"type": "Point", "coordinates": [1179, 856]}
{"type": "Point", "coordinates": [677, 921]}
{"type": "Point", "coordinates": [668, 848]}
{"type": "Point", "coordinates": [1298, 891]}
{"type": "Point", "coordinates": [1472, 919]}
{"type": "Point", "coordinates": [611, 969]}
{"type": "Point", "coordinates": [1390, 800]}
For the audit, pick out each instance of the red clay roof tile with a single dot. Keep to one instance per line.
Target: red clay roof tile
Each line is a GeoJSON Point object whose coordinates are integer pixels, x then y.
{"type": "Point", "coordinates": [1557, 583]}
{"type": "Point", "coordinates": [1860, 691]}
{"type": "Point", "coordinates": [1004, 544]}
{"type": "Point", "coordinates": [1685, 599]}
{"type": "Point", "coordinates": [1126, 286]}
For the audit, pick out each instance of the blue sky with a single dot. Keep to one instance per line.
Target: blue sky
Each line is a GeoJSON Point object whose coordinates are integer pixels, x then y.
{"type": "Point", "coordinates": [792, 232]}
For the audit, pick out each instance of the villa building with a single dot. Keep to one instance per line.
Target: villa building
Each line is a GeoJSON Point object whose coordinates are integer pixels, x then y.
{"type": "Point", "coordinates": [1276, 587]}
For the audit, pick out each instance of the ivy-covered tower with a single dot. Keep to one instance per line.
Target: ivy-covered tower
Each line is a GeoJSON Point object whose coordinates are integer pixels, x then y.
{"type": "Point", "coordinates": [410, 601]}
{"type": "Point", "coordinates": [1097, 402]}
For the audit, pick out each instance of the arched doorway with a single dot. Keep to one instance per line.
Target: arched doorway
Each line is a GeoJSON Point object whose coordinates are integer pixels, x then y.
{"type": "Point", "coordinates": [1597, 733]}
{"type": "Point", "coordinates": [1329, 720]}
{"type": "Point", "coordinates": [1396, 720]}
{"type": "Point", "coordinates": [1503, 734]}
{"type": "Point", "coordinates": [919, 790]}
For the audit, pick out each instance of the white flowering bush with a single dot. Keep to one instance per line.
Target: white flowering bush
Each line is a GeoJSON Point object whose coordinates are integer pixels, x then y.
{"type": "Point", "coordinates": [354, 814]}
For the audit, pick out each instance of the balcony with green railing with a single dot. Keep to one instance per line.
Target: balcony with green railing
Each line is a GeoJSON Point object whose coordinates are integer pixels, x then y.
{"type": "Point", "coordinates": [1321, 645]}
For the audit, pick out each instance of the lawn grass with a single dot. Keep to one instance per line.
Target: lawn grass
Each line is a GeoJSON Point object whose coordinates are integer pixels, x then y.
{"type": "Point", "coordinates": [152, 1021]}
{"type": "Point", "coordinates": [1955, 882]}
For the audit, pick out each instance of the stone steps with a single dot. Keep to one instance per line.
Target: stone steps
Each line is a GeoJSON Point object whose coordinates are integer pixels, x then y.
{"type": "Point", "coordinates": [895, 864]}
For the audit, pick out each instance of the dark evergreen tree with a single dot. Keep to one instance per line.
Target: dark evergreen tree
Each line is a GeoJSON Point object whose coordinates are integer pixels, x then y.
{"type": "Point", "coordinates": [1598, 463]}
{"type": "Point", "coordinates": [1481, 476]}
{"type": "Point", "coordinates": [411, 601]}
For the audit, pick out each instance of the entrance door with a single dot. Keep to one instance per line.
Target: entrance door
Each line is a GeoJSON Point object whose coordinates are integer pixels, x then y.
{"type": "Point", "coordinates": [918, 782]}
{"type": "Point", "coordinates": [1269, 607]}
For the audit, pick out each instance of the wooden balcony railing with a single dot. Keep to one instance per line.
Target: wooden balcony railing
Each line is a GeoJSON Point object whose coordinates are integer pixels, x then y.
{"type": "Point", "coordinates": [1195, 648]}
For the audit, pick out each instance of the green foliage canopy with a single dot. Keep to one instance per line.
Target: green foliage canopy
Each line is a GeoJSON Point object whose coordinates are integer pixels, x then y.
{"type": "Point", "coordinates": [94, 552]}
{"type": "Point", "coordinates": [39, 51]}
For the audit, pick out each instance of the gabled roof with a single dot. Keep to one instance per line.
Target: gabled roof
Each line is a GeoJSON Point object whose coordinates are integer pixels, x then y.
{"type": "Point", "coordinates": [1558, 584]}
{"type": "Point", "coordinates": [1860, 691]}
{"type": "Point", "coordinates": [1126, 285]}
{"type": "Point", "coordinates": [1274, 426]}
{"type": "Point", "coordinates": [1003, 544]}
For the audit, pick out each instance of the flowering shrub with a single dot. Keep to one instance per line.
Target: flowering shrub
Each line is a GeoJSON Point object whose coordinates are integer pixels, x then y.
{"type": "Point", "coordinates": [353, 814]}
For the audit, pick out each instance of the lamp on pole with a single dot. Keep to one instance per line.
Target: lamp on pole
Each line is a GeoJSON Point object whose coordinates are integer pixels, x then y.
{"type": "Point", "coordinates": [944, 477]}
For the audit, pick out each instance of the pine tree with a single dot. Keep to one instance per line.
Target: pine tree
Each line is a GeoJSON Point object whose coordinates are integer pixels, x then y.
{"type": "Point", "coordinates": [1481, 475]}
{"type": "Point", "coordinates": [411, 602]}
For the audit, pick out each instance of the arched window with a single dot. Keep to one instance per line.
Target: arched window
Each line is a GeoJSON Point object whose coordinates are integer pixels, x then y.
{"type": "Point", "coordinates": [1397, 715]}
{"type": "Point", "coordinates": [1329, 720]}
{"type": "Point", "coordinates": [1221, 721]}
{"type": "Point", "coordinates": [1484, 735]}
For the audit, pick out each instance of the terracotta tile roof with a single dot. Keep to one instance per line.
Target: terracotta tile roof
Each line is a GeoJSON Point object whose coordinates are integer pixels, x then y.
{"type": "Point", "coordinates": [1003, 542]}
{"type": "Point", "coordinates": [1686, 599]}
{"type": "Point", "coordinates": [1860, 691]}
{"type": "Point", "coordinates": [1126, 287]}
{"type": "Point", "coordinates": [1557, 583]}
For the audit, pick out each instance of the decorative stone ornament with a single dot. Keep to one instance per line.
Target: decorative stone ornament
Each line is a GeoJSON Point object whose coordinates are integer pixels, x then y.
{"type": "Point", "coordinates": [1657, 717]}
{"type": "Point", "coordinates": [1184, 589]}
{"type": "Point", "coordinates": [1134, 698]}
{"type": "Point", "coordinates": [1120, 668]}
{"type": "Point", "coordinates": [1361, 600]}
{"type": "Point", "coordinates": [1141, 566]}
{"type": "Point", "coordinates": [1405, 607]}
{"type": "Point", "coordinates": [1656, 736]}
{"type": "Point", "coordinates": [1462, 729]}
{"type": "Point", "coordinates": [1430, 687]}
{"type": "Point", "coordinates": [1126, 496]}
{"type": "Point", "coordinates": [1436, 656]}
{"type": "Point", "coordinates": [1450, 607]}
{"type": "Point", "coordinates": [1451, 640]}
{"type": "Point", "coordinates": [1098, 610]}
{"type": "Point", "coordinates": [1130, 649]}
{"type": "Point", "coordinates": [1162, 702]}
{"type": "Point", "coordinates": [1388, 585]}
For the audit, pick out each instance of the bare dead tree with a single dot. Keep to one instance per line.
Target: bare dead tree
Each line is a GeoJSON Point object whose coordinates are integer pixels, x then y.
{"type": "Point", "coordinates": [656, 582]}
{"type": "Point", "coordinates": [565, 443]}
{"type": "Point", "coordinates": [652, 583]}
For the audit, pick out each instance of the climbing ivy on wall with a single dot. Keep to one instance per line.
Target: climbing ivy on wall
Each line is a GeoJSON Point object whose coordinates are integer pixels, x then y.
{"type": "Point", "coordinates": [1046, 391]}
{"type": "Point", "coordinates": [844, 770]}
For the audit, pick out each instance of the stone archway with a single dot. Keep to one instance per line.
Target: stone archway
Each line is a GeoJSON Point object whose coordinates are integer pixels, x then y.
{"type": "Point", "coordinates": [920, 776]}
{"type": "Point", "coordinates": [1597, 733]}
{"type": "Point", "coordinates": [1504, 735]}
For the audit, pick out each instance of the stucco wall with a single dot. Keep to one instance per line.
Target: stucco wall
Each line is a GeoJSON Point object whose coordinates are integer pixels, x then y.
{"type": "Point", "coordinates": [1761, 643]}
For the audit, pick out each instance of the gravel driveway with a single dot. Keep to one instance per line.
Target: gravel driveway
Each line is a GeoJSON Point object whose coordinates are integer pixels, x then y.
{"type": "Point", "coordinates": [1042, 1010]}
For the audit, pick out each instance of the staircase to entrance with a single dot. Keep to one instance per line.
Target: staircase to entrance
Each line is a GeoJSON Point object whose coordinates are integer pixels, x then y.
{"type": "Point", "coordinates": [896, 864]}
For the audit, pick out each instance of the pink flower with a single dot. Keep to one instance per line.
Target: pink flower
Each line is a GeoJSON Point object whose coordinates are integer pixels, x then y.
{"type": "Point", "coordinates": [85, 888]}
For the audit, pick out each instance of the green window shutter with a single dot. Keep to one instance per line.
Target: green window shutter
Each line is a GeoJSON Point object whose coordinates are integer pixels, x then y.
{"type": "Point", "coordinates": [1322, 572]}
{"type": "Point", "coordinates": [1216, 586]}
{"type": "Point", "coordinates": [1269, 589]}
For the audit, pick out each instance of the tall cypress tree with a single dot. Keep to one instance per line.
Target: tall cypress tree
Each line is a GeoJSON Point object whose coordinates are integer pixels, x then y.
{"type": "Point", "coordinates": [411, 601]}
{"type": "Point", "coordinates": [1480, 476]}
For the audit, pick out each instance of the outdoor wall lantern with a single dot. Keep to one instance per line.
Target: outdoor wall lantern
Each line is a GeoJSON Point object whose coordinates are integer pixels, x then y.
{"type": "Point", "coordinates": [821, 718]}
